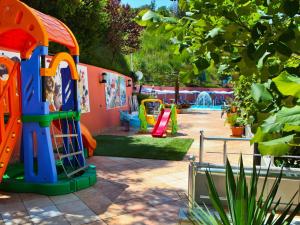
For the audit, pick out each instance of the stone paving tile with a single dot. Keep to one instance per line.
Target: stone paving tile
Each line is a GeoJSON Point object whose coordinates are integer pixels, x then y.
{"type": "Point", "coordinates": [63, 198]}
{"type": "Point", "coordinates": [72, 207]}
{"type": "Point", "coordinates": [38, 202]}
{"type": "Point", "coordinates": [86, 192]}
{"type": "Point", "coordinates": [7, 198]}
{"type": "Point", "coordinates": [98, 203]}
{"type": "Point", "coordinates": [16, 218]}
{"type": "Point", "coordinates": [97, 223]}
{"type": "Point", "coordinates": [12, 207]}
{"type": "Point", "coordinates": [38, 214]}
{"type": "Point", "coordinates": [129, 219]}
{"type": "Point", "coordinates": [165, 214]}
{"type": "Point", "coordinates": [133, 205]}
{"type": "Point", "coordinates": [112, 191]}
{"type": "Point", "coordinates": [58, 220]}
{"type": "Point", "coordinates": [112, 210]}
{"type": "Point", "coordinates": [82, 217]}
{"type": "Point", "coordinates": [31, 196]}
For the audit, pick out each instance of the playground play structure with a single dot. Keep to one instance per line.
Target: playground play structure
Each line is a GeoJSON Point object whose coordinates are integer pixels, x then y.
{"type": "Point", "coordinates": [152, 112]}
{"type": "Point", "coordinates": [52, 157]}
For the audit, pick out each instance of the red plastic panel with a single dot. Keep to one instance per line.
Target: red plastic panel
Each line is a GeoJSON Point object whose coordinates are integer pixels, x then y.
{"type": "Point", "coordinates": [17, 40]}
{"type": "Point", "coordinates": [57, 32]}
{"type": "Point", "coordinates": [162, 123]}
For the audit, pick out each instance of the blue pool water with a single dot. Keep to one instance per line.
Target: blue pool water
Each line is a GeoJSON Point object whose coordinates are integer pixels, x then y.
{"type": "Point", "coordinates": [212, 108]}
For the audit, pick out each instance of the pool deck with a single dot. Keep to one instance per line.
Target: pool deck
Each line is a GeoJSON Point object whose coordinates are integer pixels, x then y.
{"type": "Point", "coordinates": [128, 191]}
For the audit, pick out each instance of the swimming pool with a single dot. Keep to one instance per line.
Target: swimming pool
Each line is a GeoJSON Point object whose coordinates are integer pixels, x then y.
{"type": "Point", "coordinates": [201, 107]}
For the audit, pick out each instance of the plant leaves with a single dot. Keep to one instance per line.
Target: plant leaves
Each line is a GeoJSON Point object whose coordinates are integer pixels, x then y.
{"type": "Point", "coordinates": [260, 93]}
{"type": "Point", "coordinates": [260, 62]}
{"type": "Point", "coordinates": [288, 84]}
{"type": "Point", "coordinates": [276, 147]}
{"type": "Point", "coordinates": [150, 15]}
{"type": "Point", "coordinates": [291, 7]}
{"type": "Point", "coordinates": [214, 32]}
{"type": "Point", "coordinates": [201, 64]}
{"type": "Point", "coordinates": [275, 123]}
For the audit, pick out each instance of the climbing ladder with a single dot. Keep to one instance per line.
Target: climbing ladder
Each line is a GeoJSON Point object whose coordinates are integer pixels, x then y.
{"type": "Point", "coordinates": [10, 112]}
{"type": "Point", "coordinates": [66, 142]}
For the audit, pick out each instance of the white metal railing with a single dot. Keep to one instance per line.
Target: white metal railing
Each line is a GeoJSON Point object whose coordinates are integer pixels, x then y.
{"type": "Point", "coordinates": [201, 166]}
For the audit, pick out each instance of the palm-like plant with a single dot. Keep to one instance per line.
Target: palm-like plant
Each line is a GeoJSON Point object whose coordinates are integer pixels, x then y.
{"type": "Point", "coordinates": [243, 208]}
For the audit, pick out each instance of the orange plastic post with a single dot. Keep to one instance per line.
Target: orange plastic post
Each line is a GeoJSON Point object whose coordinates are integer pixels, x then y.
{"type": "Point", "coordinates": [9, 130]}
{"type": "Point", "coordinates": [62, 56]}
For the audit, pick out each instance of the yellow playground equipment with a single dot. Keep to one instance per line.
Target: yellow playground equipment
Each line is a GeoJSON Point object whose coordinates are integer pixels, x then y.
{"type": "Point", "coordinates": [151, 110]}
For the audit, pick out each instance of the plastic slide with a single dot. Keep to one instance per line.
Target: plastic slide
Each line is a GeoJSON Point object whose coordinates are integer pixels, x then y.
{"type": "Point", "coordinates": [162, 123]}
{"type": "Point", "coordinates": [88, 141]}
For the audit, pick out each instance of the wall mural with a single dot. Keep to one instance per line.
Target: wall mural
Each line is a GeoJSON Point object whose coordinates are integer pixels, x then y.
{"type": "Point", "coordinates": [53, 87]}
{"type": "Point", "coordinates": [13, 56]}
{"type": "Point", "coordinates": [53, 84]}
{"type": "Point", "coordinates": [115, 91]}
{"type": "Point", "coordinates": [83, 87]}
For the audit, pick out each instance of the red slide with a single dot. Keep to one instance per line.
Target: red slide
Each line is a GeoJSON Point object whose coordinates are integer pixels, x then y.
{"type": "Point", "coordinates": [162, 123]}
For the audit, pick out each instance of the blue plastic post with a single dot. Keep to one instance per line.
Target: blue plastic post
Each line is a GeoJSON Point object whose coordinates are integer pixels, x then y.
{"type": "Point", "coordinates": [34, 137]}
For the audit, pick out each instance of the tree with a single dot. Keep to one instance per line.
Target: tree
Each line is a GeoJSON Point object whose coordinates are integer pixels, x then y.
{"type": "Point", "coordinates": [123, 33]}
{"type": "Point", "coordinates": [248, 38]}
{"type": "Point", "coordinates": [164, 11]}
{"type": "Point", "coordinates": [88, 20]}
{"type": "Point", "coordinates": [78, 15]}
{"type": "Point", "coordinates": [153, 5]}
{"type": "Point", "coordinates": [157, 61]}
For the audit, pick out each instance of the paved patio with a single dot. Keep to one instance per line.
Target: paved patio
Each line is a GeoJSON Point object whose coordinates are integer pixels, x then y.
{"type": "Point", "coordinates": [128, 191]}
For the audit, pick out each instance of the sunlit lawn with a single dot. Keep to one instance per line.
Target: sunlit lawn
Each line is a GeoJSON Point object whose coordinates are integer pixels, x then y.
{"type": "Point", "coordinates": [143, 147]}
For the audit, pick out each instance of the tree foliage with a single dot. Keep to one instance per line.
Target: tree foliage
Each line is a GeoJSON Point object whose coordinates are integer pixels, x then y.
{"type": "Point", "coordinates": [161, 62]}
{"type": "Point", "coordinates": [247, 37]}
{"type": "Point", "coordinates": [78, 15]}
{"type": "Point", "coordinates": [123, 33]}
{"type": "Point", "coordinates": [91, 23]}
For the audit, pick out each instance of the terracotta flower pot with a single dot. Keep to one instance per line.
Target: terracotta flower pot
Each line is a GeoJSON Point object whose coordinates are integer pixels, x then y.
{"type": "Point", "coordinates": [237, 131]}
{"type": "Point", "coordinates": [229, 114]}
{"type": "Point", "coordinates": [233, 109]}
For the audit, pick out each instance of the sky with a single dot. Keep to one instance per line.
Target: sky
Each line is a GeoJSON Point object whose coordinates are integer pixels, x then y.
{"type": "Point", "coordinates": [138, 3]}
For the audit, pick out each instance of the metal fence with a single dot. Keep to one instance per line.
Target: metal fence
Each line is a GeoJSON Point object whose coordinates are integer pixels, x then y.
{"type": "Point", "coordinates": [201, 166]}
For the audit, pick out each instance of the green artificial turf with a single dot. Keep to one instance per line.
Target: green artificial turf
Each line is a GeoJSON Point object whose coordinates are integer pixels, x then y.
{"type": "Point", "coordinates": [143, 147]}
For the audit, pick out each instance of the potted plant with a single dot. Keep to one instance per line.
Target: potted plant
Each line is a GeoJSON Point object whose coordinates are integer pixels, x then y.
{"type": "Point", "coordinates": [178, 108]}
{"type": "Point", "coordinates": [233, 107]}
{"type": "Point", "coordinates": [247, 203]}
{"type": "Point", "coordinates": [237, 124]}
{"type": "Point", "coordinates": [230, 108]}
{"type": "Point", "coordinates": [226, 109]}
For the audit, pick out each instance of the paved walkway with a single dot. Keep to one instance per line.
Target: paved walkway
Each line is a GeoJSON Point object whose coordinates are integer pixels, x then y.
{"type": "Point", "coordinates": [128, 191]}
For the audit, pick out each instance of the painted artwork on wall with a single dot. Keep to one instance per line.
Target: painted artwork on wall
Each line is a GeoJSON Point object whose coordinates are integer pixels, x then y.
{"type": "Point", "coordinates": [13, 56]}
{"type": "Point", "coordinates": [115, 91]}
{"type": "Point", "coordinates": [54, 87]}
{"type": "Point", "coordinates": [83, 87]}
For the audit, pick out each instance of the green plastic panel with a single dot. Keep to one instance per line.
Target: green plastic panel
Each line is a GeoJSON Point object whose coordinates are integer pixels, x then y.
{"type": "Point", "coordinates": [14, 182]}
{"type": "Point", "coordinates": [45, 120]}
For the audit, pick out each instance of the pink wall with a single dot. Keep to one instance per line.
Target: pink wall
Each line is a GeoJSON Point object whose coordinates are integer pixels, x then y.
{"type": "Point", "coordinates": [187, 97]}
{"type": "Point", "coordinates": [99, 118]}
{"type": "Point", "coordinates": [186, 88]}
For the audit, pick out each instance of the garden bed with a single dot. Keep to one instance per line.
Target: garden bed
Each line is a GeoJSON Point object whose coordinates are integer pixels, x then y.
{"type": "Point", "coordinates": [289, 185]}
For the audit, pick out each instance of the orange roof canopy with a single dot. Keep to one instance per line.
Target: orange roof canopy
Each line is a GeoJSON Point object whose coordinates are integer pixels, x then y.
{"type": "Point", "coordinates": [22, 29]}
